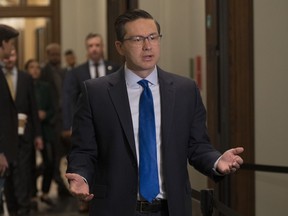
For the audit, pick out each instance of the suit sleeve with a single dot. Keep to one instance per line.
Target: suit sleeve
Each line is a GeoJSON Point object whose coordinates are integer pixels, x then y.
{"type": "Point", "coordinates": [202, 155]}
{"type": "Point", "coordinates": [83, 155]}
{"type": "Point", "coordinates": [66, 101]}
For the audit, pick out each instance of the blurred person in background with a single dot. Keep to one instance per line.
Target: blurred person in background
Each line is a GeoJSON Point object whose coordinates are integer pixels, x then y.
{"type": "Point", "coordinates": [70, 59]}
{"type": "Point", "coordinates": [54, 75]}
{"type": "Point", "coordinates": [46, 111]}
{"type": "Point", "coordinates": [96, 66]}
{"type": "Point", "coordinates": [18, 184]}
{"type": "Point", "coordinates": [8, 112]}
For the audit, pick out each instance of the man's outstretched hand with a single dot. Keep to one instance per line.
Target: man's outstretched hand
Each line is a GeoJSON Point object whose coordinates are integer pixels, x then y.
{"type": "Point", "coordinates": [230, 161]}
{"type": "Point", "coordinates": [78, 187]}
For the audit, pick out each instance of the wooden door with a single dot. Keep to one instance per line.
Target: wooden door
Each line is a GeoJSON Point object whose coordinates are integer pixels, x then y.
{"type": "Point", "coordinates": [230, 94]}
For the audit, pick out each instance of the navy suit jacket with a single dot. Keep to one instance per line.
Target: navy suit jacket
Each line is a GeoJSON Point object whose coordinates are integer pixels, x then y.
{"type": "Point", "coordinates": [8, 121]}
{"type": "Point", "coordinates": [72, 88]}
{"type": "Point", "coordinates": [103, 146]}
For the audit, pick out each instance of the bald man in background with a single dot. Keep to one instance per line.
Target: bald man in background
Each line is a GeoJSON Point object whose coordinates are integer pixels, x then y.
{"type": "Point", "coordinates": [54, 75]}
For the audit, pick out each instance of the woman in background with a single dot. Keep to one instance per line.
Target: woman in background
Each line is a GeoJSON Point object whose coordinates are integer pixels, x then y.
{"type": "Point", "coordinates": [45, 112]}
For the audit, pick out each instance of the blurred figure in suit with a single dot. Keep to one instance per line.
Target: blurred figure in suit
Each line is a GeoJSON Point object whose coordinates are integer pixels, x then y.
{"type": "Point", "coordinates": [18, 184]}
{"type": "Point", "coordinates": [54, 75]}
{"type": "Point", "coordinates": [8, 112]}
{"type": "Point", "coordinates": [46, 111]}
{"type": "Point", "coordinates": [70, 59]}
{"type": "Point", "coordinates": [94, 67]}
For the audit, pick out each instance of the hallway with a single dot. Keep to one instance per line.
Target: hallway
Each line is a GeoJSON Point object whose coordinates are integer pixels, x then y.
{"type": "Point", "coordinates": [63, 206]}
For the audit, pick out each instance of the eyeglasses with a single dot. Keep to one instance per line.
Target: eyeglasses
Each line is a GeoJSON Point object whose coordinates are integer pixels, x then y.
{"type": "Point", "coordinates": [139, 40]}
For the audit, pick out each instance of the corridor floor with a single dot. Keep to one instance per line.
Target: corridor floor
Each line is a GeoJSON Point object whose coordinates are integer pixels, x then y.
{"type": "Point", "coordinates": [63, 206]}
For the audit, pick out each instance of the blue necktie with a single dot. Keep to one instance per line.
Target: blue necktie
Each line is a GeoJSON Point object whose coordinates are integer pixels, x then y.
{"type": "Point", "coordinates": [148, 174]}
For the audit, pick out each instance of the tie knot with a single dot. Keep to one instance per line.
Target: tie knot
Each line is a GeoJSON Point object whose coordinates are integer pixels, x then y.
{"type": "Point", "coordinates": [144, 83]}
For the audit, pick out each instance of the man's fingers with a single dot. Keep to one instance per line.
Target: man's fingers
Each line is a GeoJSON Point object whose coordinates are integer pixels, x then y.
{"type": "Point", "coordinates": [88, 198]}
{"type": "Point", "coordinates": [72, 176]}
{"type": "Point", "coordinates": [237, 150]}
{"type": "Point", "coordinates": [239, 160]}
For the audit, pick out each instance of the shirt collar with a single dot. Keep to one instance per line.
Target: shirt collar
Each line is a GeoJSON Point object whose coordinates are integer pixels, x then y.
{"type": "Point", "coordinates": [132, 78]}
{"type": "Point", "coordinates": [92, 63]}
{"type": "Point", "coordinates": [13, 71]}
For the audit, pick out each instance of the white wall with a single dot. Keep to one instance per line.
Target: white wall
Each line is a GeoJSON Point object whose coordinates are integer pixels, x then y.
{"type": "Point", "coordinates": [271, 103]}
{"type": "Point", "coordinates": [77, 20]}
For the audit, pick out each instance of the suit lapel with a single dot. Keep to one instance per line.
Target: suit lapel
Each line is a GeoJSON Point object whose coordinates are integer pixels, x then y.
{"type": "Point", "coordinates": [86, 72]}
{"type": "Point", "coordinates": [4, 89]}
{"type": "Point", "coordinates": [167, 95]}
{"type": "Point", "coordinates": [119, 97]}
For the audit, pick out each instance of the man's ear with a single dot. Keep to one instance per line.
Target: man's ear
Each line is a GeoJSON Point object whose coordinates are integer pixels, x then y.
{"type": "Point", "coordinates": [118, 46]}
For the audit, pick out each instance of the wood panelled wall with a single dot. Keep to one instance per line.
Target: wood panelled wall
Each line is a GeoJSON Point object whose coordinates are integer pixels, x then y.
{"type": "Point", "coordinates": [230, 93]}
{"type": "Point", "coordinates": [114, 9]}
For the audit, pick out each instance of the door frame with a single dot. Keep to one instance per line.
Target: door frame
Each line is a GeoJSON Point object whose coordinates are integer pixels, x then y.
{"type": "Point", "coordinates": [230, 94]}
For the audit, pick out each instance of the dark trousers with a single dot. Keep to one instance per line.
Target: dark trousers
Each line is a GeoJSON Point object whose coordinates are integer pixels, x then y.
{"type": "Point", "coordinates": [46, 168]}
{"type": "Point", "coordinates": [18, 183]}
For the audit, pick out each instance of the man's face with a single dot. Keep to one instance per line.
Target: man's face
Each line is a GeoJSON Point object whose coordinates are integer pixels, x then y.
{"type": "Point", "coordinates": [70, 60]}
{"type": "Point", "coordinates": [141, 57]}
{"type": "Point", "coordinates": [94, 48]}
{"type": "Point", "coordinates": [7, 47]}
{"type": "Point", "coordinates": [10, 61]}
{"type": "Point", "coordinates": [54, 56]}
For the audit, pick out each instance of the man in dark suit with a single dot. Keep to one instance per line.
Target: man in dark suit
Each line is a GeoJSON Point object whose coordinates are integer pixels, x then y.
{"type": "Point", "coordinates": [107, 152]}
{"type": "Point", "coordinates": [70, 59]}
{"type": "Point", "coordinates": [54, 75]}
{"type": "Point", "coordinates": [95, 67]}
{"type": "Point", "coordinates": [18, 184]}
{"type": "Point", "coordinates": [8, 113]}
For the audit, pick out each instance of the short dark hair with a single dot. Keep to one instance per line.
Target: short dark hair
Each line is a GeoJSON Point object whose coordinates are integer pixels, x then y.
{"type": "Point", "coordinates": [92, 35]}
{"type": "Point", "coordinates": [130, 16]}
{"type": "Point", "coordinates": [7, 33]}
{"type": "Point", "coordinates": [69, 52]}
{"type": "Point", "coordinates": [26, 66]}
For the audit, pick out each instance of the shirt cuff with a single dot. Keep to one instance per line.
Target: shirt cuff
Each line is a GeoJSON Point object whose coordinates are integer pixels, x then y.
{"type": "Point", "coordinates": [85, 180]}
{"type": "Point", "coordinates": [215, 167]}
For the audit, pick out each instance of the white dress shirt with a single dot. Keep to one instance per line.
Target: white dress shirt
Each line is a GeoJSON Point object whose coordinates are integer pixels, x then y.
{"type": "Point", "coordinates": [101, 69]}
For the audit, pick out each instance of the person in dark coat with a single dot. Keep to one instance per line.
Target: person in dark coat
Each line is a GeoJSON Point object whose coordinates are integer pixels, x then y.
{"type": "Point", "coordinates": [95, 67]}
{"type": "Point", "coordinates": [8, 112]}
{"type": "Point", "coordinates": [18, 184]}
{"type": "Point", "coordinates": [53, 73]}
{"type": "Point", "coordinates": [46, 111]}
